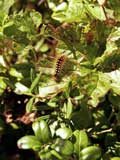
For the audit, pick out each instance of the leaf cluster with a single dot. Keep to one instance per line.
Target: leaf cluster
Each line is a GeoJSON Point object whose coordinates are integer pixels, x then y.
{"type": "Point", "coordinates": [73, 116]}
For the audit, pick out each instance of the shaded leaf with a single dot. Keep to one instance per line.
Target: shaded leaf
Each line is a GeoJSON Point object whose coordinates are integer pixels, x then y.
{"type": "Point", "coordinates": [82, 118]}
{"type": "Point", "coordinates": [29, 105]}
{"type": "Point", "coordinates": [65, 147]}
{"type": "Point", "coordinates": [35, 82]}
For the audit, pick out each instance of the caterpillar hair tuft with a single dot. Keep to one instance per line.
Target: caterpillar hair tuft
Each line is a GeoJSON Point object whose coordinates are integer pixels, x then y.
{"type": "Point", "coordinates": [60, 61]}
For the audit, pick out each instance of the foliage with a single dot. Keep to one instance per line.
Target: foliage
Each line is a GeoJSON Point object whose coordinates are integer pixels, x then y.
{"type": "Point", "coordinates": [76, 113]}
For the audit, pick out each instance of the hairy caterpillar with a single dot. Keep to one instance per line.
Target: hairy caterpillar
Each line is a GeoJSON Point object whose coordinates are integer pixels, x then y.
{"type": "Point", "coordinates": [60, 61]}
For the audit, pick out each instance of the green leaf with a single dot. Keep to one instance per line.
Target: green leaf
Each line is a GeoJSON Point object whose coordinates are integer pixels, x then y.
{"type": "Point", "coordinates": [114, 99]}
{"type": "Point", "coordinates": [65, 147]}
{"type": "Point", "coordinates": [115, 81]}
{"type": "Point", "coordinates": [91, 152]}
{"type": "Point", "coordinates": [112, 48]}
{"type": "Point", "coordinates": [115, 158]}
{"type": "Point", "coordinates": [36, 17]}
{"type": "Point", "coordinates": [3, 17]}
{"type": "Point", "coordinates": [61, 7]}
{"type": "Point", "coordinates": [35, 83]}
{"type": "Point", "coordinates": [82, 119]}
{"type": "Point", "coordinates": [29, 142]}
{"type": "Point", "coordinates": [5, 5]}
{"type": "Point", "coordinates": [56, 154]}
{"type": "Point", "coordinates": [64, 132]}
{"type": "Point", "coordinates": [51, 89]}
{"type": "Point", "coordinates": [81, 141]}
{"type": "Point", "coordinates": [44, 155]}
{"type": "Point", "coordinates": [69, 109]}
{"type": "Point", "coordinates": [102, 87]}
{"type": "Point", "coordinates": [13, 72]}
{"type": "Point", "coordinates": [74, 12]}
{"type": "Point", "coordinates": [114, 35]}
{"type": "Point", "coordinates": [2, 85]}
{"type": "Point", "coordinates": [96, 11]}
{"type": "Point", "coordinates": [42, 131]}
{"type": "Point", "coordinates": [20, 88]}
{"type": "Point", "coordinates": [44, 48]}
{"type": "Point", "coordinates": [29, 105]}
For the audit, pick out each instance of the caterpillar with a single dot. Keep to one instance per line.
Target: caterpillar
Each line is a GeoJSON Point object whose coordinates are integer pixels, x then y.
{"type": "Point", "coordinates": [59, 66]}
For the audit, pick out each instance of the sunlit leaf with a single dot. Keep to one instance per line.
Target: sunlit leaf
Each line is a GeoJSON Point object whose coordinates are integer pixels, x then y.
{"type": "Point", "coordinates": [115, 158]}
{"type": "Point", "coordinates": [42, 131]}
{"type": "Point", "coordinates": [96, 11]}
{"type": "Point", "coordinates": [81, 141]}
{"type": "Point", "coordinates": [20, 88]}
{"type": "Point", "coordinates": [53, 89]}
{"type": "Point", "coordinates": [64, 132]}
{"type": "Point", "coordinates": [2, 85]}
{"type": "Point", "coordinates": [37, 18]}
{"type": "Point", "coordinates": [69, 108]}
{"type": "Point", "coordinates": [28, 142]}
{"type": "Point", "coordinates": [91, 152]}
{"type": "Point", "coordinates": [74, 12]}
{"type": "Point", "coordinates": [5, 6]}
{"type": "Point", "coordinates": [103, 86]}
{"type": "Point", "coordinates": [114, 76]}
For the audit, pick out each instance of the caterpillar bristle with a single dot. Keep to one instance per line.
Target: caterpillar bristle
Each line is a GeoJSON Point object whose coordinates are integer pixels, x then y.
{"type": "Point", "coordinates": [60, 61]}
